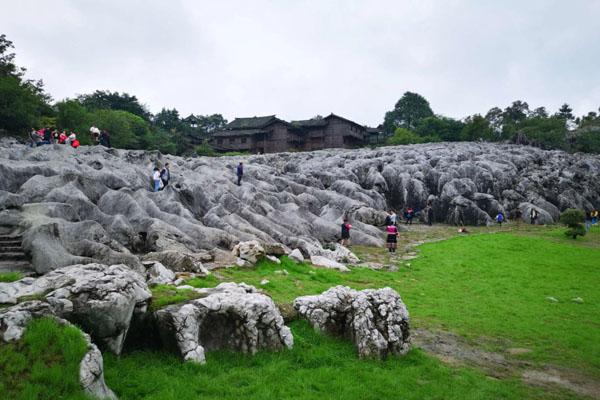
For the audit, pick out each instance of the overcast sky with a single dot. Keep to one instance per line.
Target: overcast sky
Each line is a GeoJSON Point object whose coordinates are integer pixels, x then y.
{"type": "Point", "coordinates": [298, 59]}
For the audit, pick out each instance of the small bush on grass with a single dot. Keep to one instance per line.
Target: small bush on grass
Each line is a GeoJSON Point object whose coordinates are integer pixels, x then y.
{"type": "Point", "coordinates": [44, 364]}
{"type": "Point", "coordinates": [10, 276]}
{"type": "Point", "coordinates": [573, 219]}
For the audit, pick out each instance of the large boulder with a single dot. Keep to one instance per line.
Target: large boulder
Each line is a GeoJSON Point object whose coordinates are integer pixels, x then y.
{"type": "Point", "coordinates": [250, 251]}
{"type": "Point", "coordinates": [179, 261]}
{"type": "Point", "coordinates": [376, 321]}
{"type": "Point", "coordinates": [230, 316]}
{"type": "Point", "coordinates": [100, 299]}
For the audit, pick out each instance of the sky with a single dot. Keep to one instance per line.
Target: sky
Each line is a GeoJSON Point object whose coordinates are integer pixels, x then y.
{"type": "Point", "coordinates": [298, 59]}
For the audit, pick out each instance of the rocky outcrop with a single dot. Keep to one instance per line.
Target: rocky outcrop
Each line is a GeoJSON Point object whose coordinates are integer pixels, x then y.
{"type": "Point", "coordinates": [93, 205]}
{"type": "Point", "coordinates": [101, 299]}
{"type": "Point", "coordinates": [250, 251]}
{"type": "Point", "coordinates": [230, 316]}
{"type": "Point", "coordinates": [376, 321]}
{"type": "Point", "coordinates": [13, 323]}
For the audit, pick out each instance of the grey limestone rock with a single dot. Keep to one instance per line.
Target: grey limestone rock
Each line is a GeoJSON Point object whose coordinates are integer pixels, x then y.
{"type": "Point", "coordinates": [230, 316]}
{"type": "Point", "coordinates": [101, 299]}
{"type": "Point", "coordinates": [376, 321]}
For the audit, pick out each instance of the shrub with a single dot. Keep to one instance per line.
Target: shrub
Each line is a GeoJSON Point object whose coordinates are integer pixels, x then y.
{"type": "Point", "coordinates": [573, 219]}
{"type": "Point", "coordinates": [403, 136]}
{"type": "Point", "coordinates": [205, 149]}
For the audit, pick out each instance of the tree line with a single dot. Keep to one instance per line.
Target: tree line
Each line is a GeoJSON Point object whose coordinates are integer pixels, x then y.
{"type": "Point", "coordinates": [413, 121]}
{"type": "Point", "coordinates": [24, 104]}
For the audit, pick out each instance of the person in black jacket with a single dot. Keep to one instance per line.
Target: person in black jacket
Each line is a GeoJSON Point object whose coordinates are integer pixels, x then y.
{"type": "Point", "coordinates": [240, 173]}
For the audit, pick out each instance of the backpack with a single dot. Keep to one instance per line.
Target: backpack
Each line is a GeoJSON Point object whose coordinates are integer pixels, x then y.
{"type": "Point", "coordinates": [500, 217]}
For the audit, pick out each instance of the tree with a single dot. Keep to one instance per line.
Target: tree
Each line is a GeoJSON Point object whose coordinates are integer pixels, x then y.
{"type": "Point", "coordinates": [408, 111]}
{"type": "Point", "coordinates": [22, 102]}
{"type": "Point", "coordinates": [403, 136]}
{"type": "Point", "coordinates": [516, 112]}
{"type": "Point", "coordinates": [438, 128]}
{"type": "Point", "coordinates": [477, 127]}
{"type": "Point", "coordinates": [565, 112]}
{"type": "Point", "coordinates": [573, 219]}
{"type": "Point", "coordinates": [494, 118]}
{"type": "Point", "coordinates": [539, 112]}
{"type": "Point", "coordinates": [168, 120]}
{"type": "Point", "coordinates": [547, 133]}
{"type": "Point", "coordinates": [105, 99]}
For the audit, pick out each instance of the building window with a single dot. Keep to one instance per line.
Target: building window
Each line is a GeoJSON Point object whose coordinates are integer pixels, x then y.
{"type": "Point", "coordinates": [244, 140]}
{"type": "Point", "coordinates": [219, 141]}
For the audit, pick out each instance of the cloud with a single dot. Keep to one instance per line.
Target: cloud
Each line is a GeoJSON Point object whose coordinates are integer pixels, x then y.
{"type": "Point", "coordinates": [302, 58]}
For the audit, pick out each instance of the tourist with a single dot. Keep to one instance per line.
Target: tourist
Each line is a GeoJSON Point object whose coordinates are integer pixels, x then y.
{"type": "Point", "coordinates": [393, 217]}
{"type": "Point", "coordinates": [410, 213]}
{"type": "Point", "coordinates": [55, 136]}
{"type": "Point", "coordinates": [533, 215]}
{"type": "Point", "coordinates": [47, 136]}
{"type": "Point", "coordinates": [392, 237]}
{"type": "Point", "coordinates": [165, 175]}
{"type": "Point", "coordinates": [240, 173]}
{"type": "Point", "coordinates": [35, 138]}
{"type": "Point", "coordinates": [500, 218]}
{"type": "Point", "coordinates": [104, 138]}
{"type": "Point", "coordinates": [388, 218]}
{"type": "Point", "coordinates": [429, 214]}
{"type": "Point", "coordinates": [462, 229]}
{"type": "Point", "coordinates": [94, 134]}
{"type": "Point", "coordinates": [594, 215]}
{"type": "Point", "coordinates": [72, 137]}
{"type": "Point", "coordinates": [156, 179]}
{"type": "Point", "coordinates": [345, 232]}
{"type": "Point", "coordinates": [75, 143]}
{"type": "Point", "coordinates": [588, 220]}
{"type": "Point", "coordinates": [62, 138]}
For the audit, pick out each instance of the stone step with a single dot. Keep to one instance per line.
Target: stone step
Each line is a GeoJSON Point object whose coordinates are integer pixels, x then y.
{"type": "Point", "coordinates": [13, 256]}
{"type": "Point", "coordinates": [7, 237]}
{"type": "Point", "coordinates": [10, 243]}
{"type": "Point", "coordinates": [10, 249]}
{"type": "Point", "coordinates": [23, 267]}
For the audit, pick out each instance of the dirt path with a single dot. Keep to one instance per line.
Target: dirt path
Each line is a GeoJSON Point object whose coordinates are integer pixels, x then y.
{"type": "Point", "coordinates": [454, 350]}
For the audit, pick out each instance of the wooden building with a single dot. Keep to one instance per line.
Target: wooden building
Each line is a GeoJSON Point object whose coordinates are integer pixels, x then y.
{"type": "Point", "coordinates": [270, 134]}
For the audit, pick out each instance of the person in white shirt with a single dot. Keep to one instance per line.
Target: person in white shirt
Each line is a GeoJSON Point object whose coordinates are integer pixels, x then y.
{"type": "Point", "coordinates": [95, 134]}
{"type": "Point", "coordinates": [156, 179]}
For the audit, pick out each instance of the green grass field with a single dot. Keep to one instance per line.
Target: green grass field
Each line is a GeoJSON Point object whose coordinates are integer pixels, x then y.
{"type": "Point", "coordinates": [492, 288]}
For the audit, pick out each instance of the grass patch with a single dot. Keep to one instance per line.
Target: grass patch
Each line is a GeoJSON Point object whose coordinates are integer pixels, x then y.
{"type": "Point", "coordinates": [10, 276]}
{"type": "Point", "coordinates": [44, 364]}
{"type": "Point", "coordinates": [491, 286]}
{"type": "Point", "coordinates": [164, 295]}
{"type": "Point", "coordinates": [319, 367]}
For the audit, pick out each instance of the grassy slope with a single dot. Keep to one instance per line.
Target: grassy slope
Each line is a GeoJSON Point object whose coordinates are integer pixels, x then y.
{"type": "Point", "coordinates": [318, 367]}
{"type": "Point", "coordinates": [493, 286]}
{"type": "Point", "coordinates": [44, 364]}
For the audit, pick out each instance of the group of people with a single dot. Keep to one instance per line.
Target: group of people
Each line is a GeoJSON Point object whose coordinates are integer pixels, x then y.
{"type": "Point", "coordinates": [45, 135]}
{"type": "Point", "coordinates": [161, 177]}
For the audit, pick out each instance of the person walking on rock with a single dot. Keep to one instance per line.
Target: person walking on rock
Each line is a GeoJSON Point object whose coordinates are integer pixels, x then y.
{"type": "Point", "coordinates": [429, 214]}
{"type": "Point", "coordinates": [410, 213]}
{"type": "Point", "coordinates": [240, 173]}
{"type": "Point", "coordinates": [94, 134]}
{"type": "Point", "coordinates": [104, 138]}
{"type": "Point", "coordinates": [165, 176]}
{"type": "Point", "coordinates": [156, 180]}
{"type": "Point", "coordinates": [35, 138]}
{"type": "Point", "coordinates": [345, 232]}
{"type": "Point", "coordinates": [533, 215]}
{"type": "Point", "coordinates": [594, 215]}
{"type": "Point", "coordinates": [392, 237]}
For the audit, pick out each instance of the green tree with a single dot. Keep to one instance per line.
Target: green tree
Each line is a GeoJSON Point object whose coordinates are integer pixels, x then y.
{"type": "Point", "coordinates": [408, 111]}
{"type": "Point", "coordinates": [22, 102]}
{"type": "Point", "coordinates": [477, 127]}
{"type": "Point", "coordinates": [403, 136]}
{"type": "Point", "coordinates": [127, 131]}
{"type": "Point", "coordinates": [548, 133]}
{"type": "Point", "coordinates": [446, 129]}
{"type": "Point", "coordinates": [72, 116]}
{"type": "Point", "coordinates": [168, 120]}
{"type": "Point", "coordinates": [565, 112]}
{"type": "Point", "coordinates": [105, 99]}
{"type": "Point", "coordinates": [573, 219]}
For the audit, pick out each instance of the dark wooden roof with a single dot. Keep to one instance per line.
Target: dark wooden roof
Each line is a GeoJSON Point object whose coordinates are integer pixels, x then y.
{"type": "Point", "coordinates": [332, 115]}
{"type": "Point", "coordinates": [310, 123]}
{"type": "Point", "coordinates": [252, 122]}
{"type": "Point", "coordinates": [237, 132]}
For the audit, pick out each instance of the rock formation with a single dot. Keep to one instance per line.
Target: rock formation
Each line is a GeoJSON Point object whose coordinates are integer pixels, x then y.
{"type": "Point", "coordinates": [231, 316]}
{"type": "Point", "coordinates": [376, 321]}
{"type": "Point", "coordinates": [93, 204]}
{"type": "Point", "coordinates": [101, 299]}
